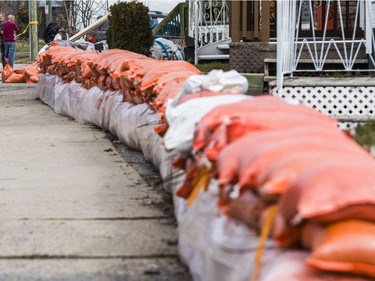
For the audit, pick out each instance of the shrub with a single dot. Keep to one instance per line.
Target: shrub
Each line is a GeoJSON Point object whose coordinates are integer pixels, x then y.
{"type": "Point", "coordinates": [129, 28]}
{"type": "Point", "coordinates": [365, 134]}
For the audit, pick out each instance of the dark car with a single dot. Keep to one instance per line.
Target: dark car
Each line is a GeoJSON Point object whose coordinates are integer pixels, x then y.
{"type": "Point", "coordinates": [99, 34]}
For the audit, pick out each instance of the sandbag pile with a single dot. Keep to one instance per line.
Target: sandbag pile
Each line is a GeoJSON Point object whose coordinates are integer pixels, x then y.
{"type": "Point", "coordinates": [28, 74]}
{"type": "Point", "coordinates": [289, 167]}
{"type": "Point", "coordinates": [140, 79]}
{"type": "Point", "coordinates": [284, 171]}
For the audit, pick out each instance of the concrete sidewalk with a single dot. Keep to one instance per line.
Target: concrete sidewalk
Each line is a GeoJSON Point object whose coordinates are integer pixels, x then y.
{"type": "Point", "coordinates": [71, 208]}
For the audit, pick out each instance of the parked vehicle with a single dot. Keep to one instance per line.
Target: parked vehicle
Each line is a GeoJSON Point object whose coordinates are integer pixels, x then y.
{"type": "Point", "coordinates": [99, 34]}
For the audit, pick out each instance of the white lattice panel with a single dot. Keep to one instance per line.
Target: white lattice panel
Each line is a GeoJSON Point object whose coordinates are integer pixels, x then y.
{"type": "Point", "coordinates": [344, 103]}
{"type": "Point", "coordinates": [349, 126]}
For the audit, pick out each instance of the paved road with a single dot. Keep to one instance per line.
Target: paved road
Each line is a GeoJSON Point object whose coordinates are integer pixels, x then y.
{"type": "Point", "coordinates": [71, 207]}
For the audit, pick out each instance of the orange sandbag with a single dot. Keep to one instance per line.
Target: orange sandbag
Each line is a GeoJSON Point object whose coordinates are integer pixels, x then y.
{"type": "Point", "coordinates": [259, 113]}
{"type": "Point", "coordinates": [6, 72]}
{"type": "Point", "coordinates": [153, 75]}
{"type": "Point", "coordinates": [115, 67]}
{"type": "Point", "coordinates": [86, 70]}
{"type": "Point", "coordinates": [63, 54]}
{"type": "Point", "coordinates": [277, 177]}
{"type": "Point", "coordinates": [15, 78]}
{"type": "Point", "coordinates": [348, 246]}
{"type": "Point", "coordinates": [332, 190]}
{"type": "Point", "coordinates": [169, 91]}
{"type": "Point", "coordinates": [270, 146]}
{"type": "Point", "coordinates": [116, 84]}
{"type": "Point", "coordinates": [33, 79]}
{"type": "Point", "coordinates": [290, 266]}
{"type": "Point", "coordinates": [19, 71]}
{"type": "Point", "coordinates": [138, 69]}
{"type": "Point", "coordinates": [246, 209]}
{"type": "Point", "coordinates": [179, 77]}
{"type": "Point", "coordinates": [11, 75]}
{"type": "Point", "coordinates": [102, 58]}
{"type": "Point", "coordinates": [112, 60]}
{"type": "Point", "coordinates": [101, 82]}
{"type": "Point", "coordinates": [260, 158]}
{"type": "Point", "coordinates": [32, 73]}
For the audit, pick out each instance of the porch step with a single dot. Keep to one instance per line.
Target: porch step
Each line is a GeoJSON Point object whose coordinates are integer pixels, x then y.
{"type": "Point", "coordinates": [213, 57]}
{"type": "Point", "coordinates": [223, 47]}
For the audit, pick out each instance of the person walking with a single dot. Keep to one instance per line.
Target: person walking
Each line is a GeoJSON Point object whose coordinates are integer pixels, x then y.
{"type": "Point", "coordinates": [10, 29]}
{"type": "Point", "coordinates": [1, 40]}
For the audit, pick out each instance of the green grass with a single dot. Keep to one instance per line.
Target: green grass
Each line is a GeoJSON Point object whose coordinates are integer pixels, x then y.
{"type": "Point", "coordinates": [23, 49]}
{"type": "Point", "coordinates": [208, 66]}
{"type": "Point", "coordinates": [365, 134]}
{"type": "Point", "coordinates": [23, 45]}
{"type": "Point", "coordinates": [23, 61]}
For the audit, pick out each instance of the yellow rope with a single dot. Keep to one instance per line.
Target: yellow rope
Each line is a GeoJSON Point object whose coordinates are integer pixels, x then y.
{"type": "Point", "coordinates": [201, 180]}
{"type": "Point", "coordinates": [266, 229]}
{"type": "Point", "coordinates": [23, 32]}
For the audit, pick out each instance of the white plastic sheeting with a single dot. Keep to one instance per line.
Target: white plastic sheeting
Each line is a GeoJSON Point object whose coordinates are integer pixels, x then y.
{"type": "Point", "coordinates": [215, 80]}
{"type": "Point", "coordinates": [183, 118]}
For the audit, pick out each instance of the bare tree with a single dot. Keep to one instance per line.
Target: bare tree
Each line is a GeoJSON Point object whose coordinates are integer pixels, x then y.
{"type": "Point", "coordinates": [10, 7]}
{"type": "Point", "coordinates": [71, 18]}
{"type": "Point", "coordinates": [89, 10]}
{"type": "Point", "coordinates": [81, 13]}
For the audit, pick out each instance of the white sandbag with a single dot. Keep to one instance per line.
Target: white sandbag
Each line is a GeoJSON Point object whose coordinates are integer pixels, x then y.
{"type": "Point", "coordinates": [154, 152]}
{"type": "Point", "coordinates": [90, 112]}
{"type": "Point", "coordinates": [175, 179]}
{"type": "Point", "coordinates": [192, 85]}
{"type": "Point", "coordinates": [134, 126]}
{"type": "Point", "coordinates": [62, 98]}
{"type": "Point", "coordinates": [46, 89]}
{"type": "Point", "coordinates": [116, 123]}
{"type": "Point", "coordinates": [130, 120]}
{"type": "Point", "coordinates": [215, 81]}
{"type": "Point", "coordinates": [76, 95]}
{"type": "Point", "coordinates": [183, 118]}
{"type": "Point", "coordinates": [216, 248]}
{"type": "Point", "coordinates": [106, 107]}
{"type": "Point", "coordinates": [219, 80]}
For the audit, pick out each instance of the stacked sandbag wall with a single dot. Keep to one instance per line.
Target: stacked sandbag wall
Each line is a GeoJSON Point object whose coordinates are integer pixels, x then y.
{"type": "Point", "coordinates": [259, 185]}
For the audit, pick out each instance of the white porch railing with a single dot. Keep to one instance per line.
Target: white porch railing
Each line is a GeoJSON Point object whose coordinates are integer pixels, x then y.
{"type": "Point", "coordinates": [347, 48]}
{"type": "Point", "coordinates": [209, 22]}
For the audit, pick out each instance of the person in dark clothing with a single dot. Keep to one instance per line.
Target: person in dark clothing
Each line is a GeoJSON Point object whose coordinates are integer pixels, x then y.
{"type": "Point", "coordinates": [51, 30]}
{"type": "Point", "coordinates": [10, 29]}
{"type": "Point", "coordinates": [1, 40]}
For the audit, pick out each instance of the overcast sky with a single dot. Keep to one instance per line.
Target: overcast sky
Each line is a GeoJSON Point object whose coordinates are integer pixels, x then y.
{"type": "Point", "coordinates": [156, 5]}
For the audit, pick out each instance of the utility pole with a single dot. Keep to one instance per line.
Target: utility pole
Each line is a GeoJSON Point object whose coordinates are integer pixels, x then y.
{"type": "Point", "coordinates": [49, 11]}
{"type": "Point", "coordinates": [33, 29]}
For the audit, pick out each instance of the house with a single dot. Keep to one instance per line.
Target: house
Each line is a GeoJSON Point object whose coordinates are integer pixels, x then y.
{"type": "Point", "coordinates": [322, 52]}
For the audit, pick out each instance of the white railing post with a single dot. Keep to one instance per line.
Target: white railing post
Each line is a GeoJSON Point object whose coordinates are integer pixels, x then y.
{"type": "Point", "coordinates": [346, 48]}
{"type": "Point", "coordinates": [286, 25]}
{"type": "Point", "coordinates": [196, 30]}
